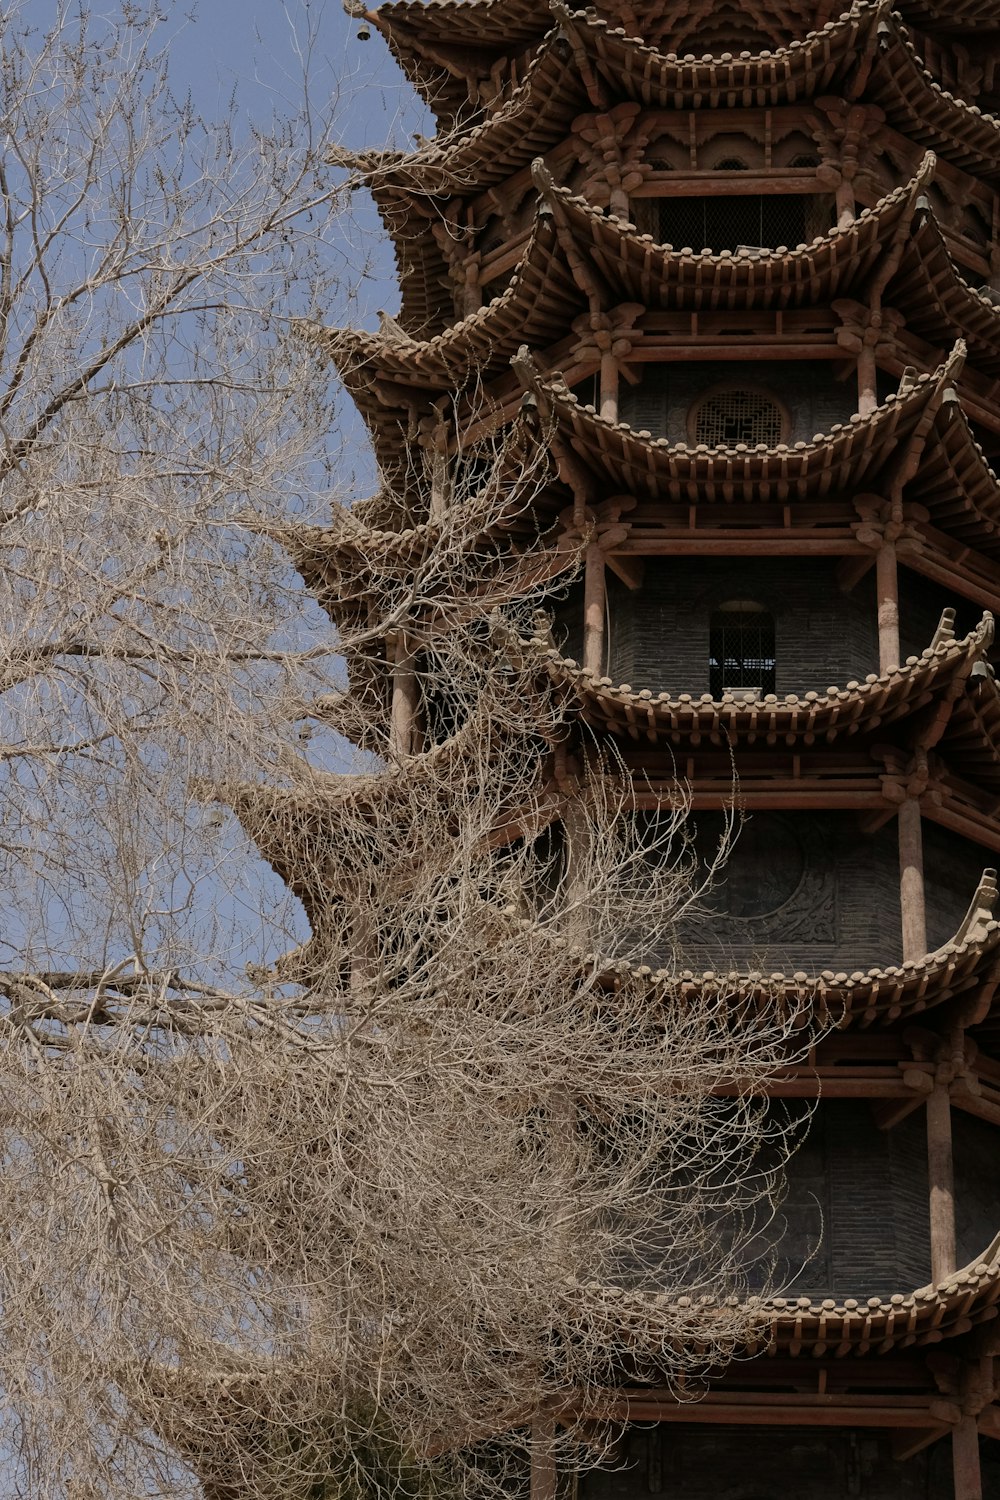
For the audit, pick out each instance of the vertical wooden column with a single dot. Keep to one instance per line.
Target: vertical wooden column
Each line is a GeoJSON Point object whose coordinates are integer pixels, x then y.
{"type": "Point", "coordinates": [594, 599]}
{"type": "Point", "coordinates": [867, 378]}
{"type": "Point", "coordinates": [619, 203]}
{"type": "Point", "coordinates": [362, 950]}
{"type": "Point", "coordinates": [887, 591]}
{"type": "Point", "coordinates": [941, 1178]}
{"type": "Point", "coordinates": [577, 833]}
{"type": "Point", "coordinates": [405, 697]}
{"type": "Point", "coordinates": [609, 386]}
{"type": "Point", "coordinates": [965, 1460]}
{"type": "Point", "coordinates": [473, 293]}
{"type": "Point", "coordinates": [439, 472]}
{"type": "Point", "coordinates": [845, 203]}
{"type": "Point", "coordinates": [543, 1460]}
{"type": "Point", "coordinates": [911, 880]}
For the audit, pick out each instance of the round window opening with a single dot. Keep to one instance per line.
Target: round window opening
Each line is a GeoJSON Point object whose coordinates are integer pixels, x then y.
{"type": "Point", "coordinates": [730, 417]}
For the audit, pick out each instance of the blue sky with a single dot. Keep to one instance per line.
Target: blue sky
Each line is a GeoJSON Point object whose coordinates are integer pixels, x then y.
{"type": "Point", "coordinates": [252, 48]}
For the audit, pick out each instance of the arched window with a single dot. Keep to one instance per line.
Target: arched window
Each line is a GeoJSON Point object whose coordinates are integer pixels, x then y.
{"type": "Point", "coordinates": [724, 418]}
{"type": "Point", "coordinates": [741, 649]}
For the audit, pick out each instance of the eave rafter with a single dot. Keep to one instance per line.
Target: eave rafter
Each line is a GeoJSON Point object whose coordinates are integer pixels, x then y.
{"type": "Point", "coordinates": [917, 106]}
{"type": "Point", "coordinates": [742, 720]}
{"type": "Point", "coordinates": [544, 105]}
{"type": "Point", "coordinates": [876, 997]}
{"type": "Point", "coordinates": [848, 459]}
{"type": "Point", "coordinates": [953, 15]}
{"type": "Point", "coordinates": [841, 1328]}
{"type": "Point", "coordinates": [296, 827]}
{"type": "Point", "coordinates": [545, 295]}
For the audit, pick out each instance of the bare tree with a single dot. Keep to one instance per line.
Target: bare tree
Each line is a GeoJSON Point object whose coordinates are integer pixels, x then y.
{"type": "Point", "coordinates": [390, 1207]}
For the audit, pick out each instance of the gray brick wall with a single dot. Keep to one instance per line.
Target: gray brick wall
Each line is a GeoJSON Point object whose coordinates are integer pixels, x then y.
{"type": "Point", "coordinates": [659, 635]}
{"type": "Point", "coordinates": [827, 897]}
{"type": "Point", "coordinates": [977, 1185]}
{"type": "Point", "coordinates": [860, 1194]}
{"type": "Point", "coordinates": [952, 867]}
{"type": "Point", "coordinates": [686, 1461]}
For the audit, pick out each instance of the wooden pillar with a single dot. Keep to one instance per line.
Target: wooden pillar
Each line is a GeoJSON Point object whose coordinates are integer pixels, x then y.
{"type": "Point", "coordinates": [887, 592]}
{"type": "Point", "coordinates": [965, 1460]}
{"type": "Point", "coordinates": [609, 386]}
{"type": "Point", "coordinates": [619, 203]}
{"type": "Point", "coordinates": [911, 880]}
{"type": "Point", "coordinates": [543, 1460]}
{"type": "Point", "coordinates": [867, 380]}
{"type": "Point", "coordinates": [405, 698]}
{"type": "Point", "coordinates": [473, 295]}
{"type": "Point", "coordinates": [577, 834]}
{"type": "Point", "coordinates": [845, 203]}
{"type": "Point", "coordinates": [941, 1179]}
{"type": "Point", "coordinates": [363, 956]}
{"type": "Point", "coordinates": [594, 600]}
{"type": "Point", "coordinates": [439, 474]}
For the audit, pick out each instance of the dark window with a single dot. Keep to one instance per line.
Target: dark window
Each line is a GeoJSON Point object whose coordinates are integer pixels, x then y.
{"type": "Point", "coordinates": [741, 649]}
{"type": "Point", "coordinates": [729, 417]}
{"type": "Point", "coordinates": [727, 223]}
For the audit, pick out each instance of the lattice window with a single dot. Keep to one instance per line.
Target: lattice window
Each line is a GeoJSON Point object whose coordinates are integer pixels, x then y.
{"type": "Point", "coordinates": [741, 655]}
{"type": "Point", "coordinates": [726, 222]}
{"type": "Point", "coordinates": [729, 417]}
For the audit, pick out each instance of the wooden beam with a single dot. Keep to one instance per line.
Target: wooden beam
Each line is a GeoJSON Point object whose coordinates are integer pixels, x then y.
{"type": "Point", "coordinates": [851, 571]}
{"type": "Point", "coordinates": [788, 1409]}
{"type": "Point", "coordinates": [891, 1112]}
{"type": "Point", "coordinates": [989, 1421]}
{"type": "Point", "coordinates": [770, 542]}
{"type": "Point", "coordinates": [631, 570]}
{"type": "Point", "coordinates": [905, 1445]}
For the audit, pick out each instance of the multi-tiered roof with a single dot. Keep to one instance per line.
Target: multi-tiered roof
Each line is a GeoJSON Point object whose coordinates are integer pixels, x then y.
{"type": "Point", "coordinates": [540, 294]}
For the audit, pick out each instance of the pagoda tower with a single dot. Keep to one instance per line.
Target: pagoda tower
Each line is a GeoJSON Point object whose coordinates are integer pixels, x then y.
{"type": "Point", "coordinates": [737, 266]}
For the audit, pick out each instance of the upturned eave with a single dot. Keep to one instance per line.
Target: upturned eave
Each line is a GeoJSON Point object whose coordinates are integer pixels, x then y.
{"type": "Point", "coordinates": [851, 457]}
